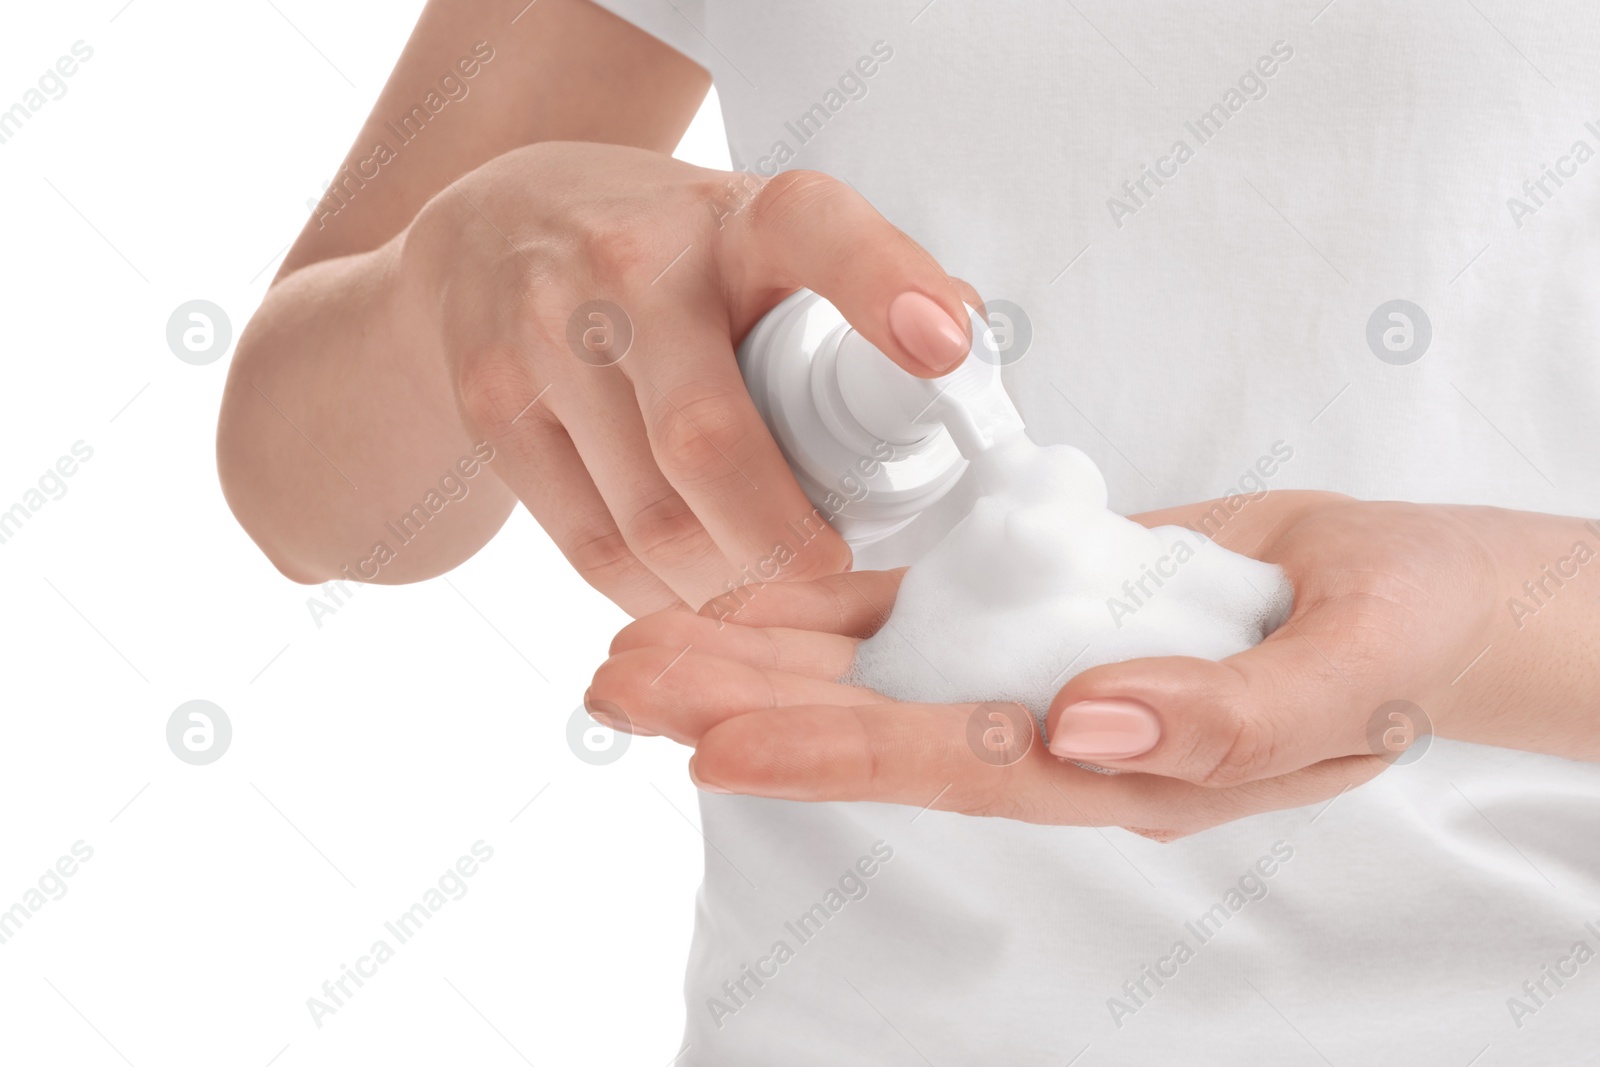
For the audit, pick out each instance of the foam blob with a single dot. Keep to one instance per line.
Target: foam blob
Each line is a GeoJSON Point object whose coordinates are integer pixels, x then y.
{"type": "Point", "coordinates": [1041, 580]}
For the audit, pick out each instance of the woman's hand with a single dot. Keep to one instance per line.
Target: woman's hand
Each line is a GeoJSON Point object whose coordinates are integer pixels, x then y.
{"type": "Point", "coordinates": [589, 299]}
{"type": "Point", "coordinates": [1409, 620]}
{"type": "Point", "coordinates": [1401, 610]}
{"type": "Point", "coordinates": [534, 288]}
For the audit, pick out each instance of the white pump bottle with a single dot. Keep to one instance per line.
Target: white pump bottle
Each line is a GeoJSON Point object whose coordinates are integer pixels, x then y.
{"type": "Point", "coordinates": [872, 446]}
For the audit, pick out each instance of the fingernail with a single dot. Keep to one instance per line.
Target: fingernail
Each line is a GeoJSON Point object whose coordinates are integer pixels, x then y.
{"type": "Point", "coordinates": [610, 716]}
{"type": "Point", "coordinates": [927, 332]}
{"type": "Point", "coordinates": [1105, 729]}
{"type": "Point", "coordinates": [623, 725]}
{"type": "Point", "coordinates": [704, 787]}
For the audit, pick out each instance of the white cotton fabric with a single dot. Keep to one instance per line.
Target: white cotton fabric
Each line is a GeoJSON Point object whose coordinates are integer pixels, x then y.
{"type": "Point", "coordinates": [1182, 336]}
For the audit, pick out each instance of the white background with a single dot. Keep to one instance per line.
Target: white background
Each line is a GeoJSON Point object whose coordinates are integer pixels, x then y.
{"type": "Point", "coordinates": [369, 752]}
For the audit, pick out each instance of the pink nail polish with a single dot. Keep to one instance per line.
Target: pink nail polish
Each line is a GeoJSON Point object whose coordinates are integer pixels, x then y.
{"type": "Point", "coordinates": [1105, 729]}
{"type": "Point", "coordinates": [927, 332]}
{"type": "Point", "coordinates": [705, 787]}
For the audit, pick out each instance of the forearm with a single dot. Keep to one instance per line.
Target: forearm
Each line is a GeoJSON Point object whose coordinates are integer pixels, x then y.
{"type": "Point", "coordinates": [338, 420]}
{"type": "Point", "coordinates": [340, 414]}
{"type": "Point", "coordinates": [1537, 684]}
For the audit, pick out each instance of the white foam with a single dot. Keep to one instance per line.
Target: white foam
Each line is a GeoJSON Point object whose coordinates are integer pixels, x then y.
{"type": "Point", "coordinates": [1041, 581]}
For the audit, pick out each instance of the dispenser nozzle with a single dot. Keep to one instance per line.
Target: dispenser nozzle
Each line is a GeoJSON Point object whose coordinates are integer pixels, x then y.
{"type": "Point", "coordinates": [872, 445]}
{"type": "Point", "coordinates": [900, 408]}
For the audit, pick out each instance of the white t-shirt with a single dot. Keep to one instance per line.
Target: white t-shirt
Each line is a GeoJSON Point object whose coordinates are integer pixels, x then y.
{"type": "Point", "coordinates": [1231, 301]}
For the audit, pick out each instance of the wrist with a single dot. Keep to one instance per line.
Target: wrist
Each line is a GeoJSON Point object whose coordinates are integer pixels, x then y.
{"type": "Point", "coordinates": [1537, 684]}
{"type": "Point", "coordinates": [415, 274]}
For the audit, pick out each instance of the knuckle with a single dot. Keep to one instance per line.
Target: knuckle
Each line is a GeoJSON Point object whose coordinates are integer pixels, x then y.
{"type": "Point", "coordinates": [536, 264]}
{"type": "Point", "coordinates": [875, 760]}
{"type": "Point", "coordinates": [697, 432]}
{"type": "Point", "coordinates": [599, 551]}
{"type": "Point", "coordinates": [612, 248]}
{"type": "Point", "coordinates": [726, 607]}
{"type": "Point", "coordinates": [820, 557]}
{"type": "Point", "coordinates": [792, 196]}
{"type": "Point", "coordinates": [997, 799]}
{"type": "Point", "coordinates": [493, 387]}
{"type": "Point", "coordinates": [545, 311]}
{"type": "Point", "coordinates": [1245, 748]}
{"type": "Point", "coordinates": [667, 532]}
{"type": "Point", "coordinates": [728, 194]}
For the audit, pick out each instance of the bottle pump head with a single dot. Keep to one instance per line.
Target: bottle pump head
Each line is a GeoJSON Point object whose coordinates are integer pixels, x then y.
{"type": "Point", "coordinates": [872, 446]}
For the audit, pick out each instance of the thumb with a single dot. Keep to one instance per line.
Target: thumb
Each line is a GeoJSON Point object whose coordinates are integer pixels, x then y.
{"type": "Point", "coordinates": [804, 228]}
{"type": "Point", "coordinates": [1320, 687]}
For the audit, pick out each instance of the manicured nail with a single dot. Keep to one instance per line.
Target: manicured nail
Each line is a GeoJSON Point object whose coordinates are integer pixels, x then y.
{"type": "Point", "coordinates": [927, 332]}
{"type": "Point", "coordinates": [704, 787]}
{"type": "Point", "coordinates": [1105, 729]}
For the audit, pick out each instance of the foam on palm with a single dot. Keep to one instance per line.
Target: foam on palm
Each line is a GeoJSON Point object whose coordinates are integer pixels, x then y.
{"type": "Point", "coordinates": [1041, 580]}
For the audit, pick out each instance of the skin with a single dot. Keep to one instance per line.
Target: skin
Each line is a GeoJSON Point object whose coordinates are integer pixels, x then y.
{"type": "Point", "coordinates": [429, 314]}
{"type": "Point", "coordinates": [425, 320]}
{"type": "Point", "coordinates": [1393, 601]}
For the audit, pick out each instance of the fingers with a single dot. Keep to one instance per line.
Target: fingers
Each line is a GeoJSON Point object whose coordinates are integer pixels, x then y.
{"type": "Point", "coordinates": [711, 445]}
{"type": "Point", "coordinates": [1189, 808]}
{"type": "Point", "coordinates": [504, 403]}
{"type": "Point", "coordinates": [854, 604]}
{"type": "Point", "coordinates": [920, 755]}
{"type": "Point", "coordinates": [663, 532]}
{"type": "Point", "coordinates": [807, 229]}
{"type": "Point", "coordinates": [901, 754]}
{"type": "Point", "coordinates": [684, 693]}
{"type": "Point", "coordinates": [1244, 523]}
{"type": "Point", "coordinates": [1306, 694]}
{"type": "Point", "coordinates": [816, 655]}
